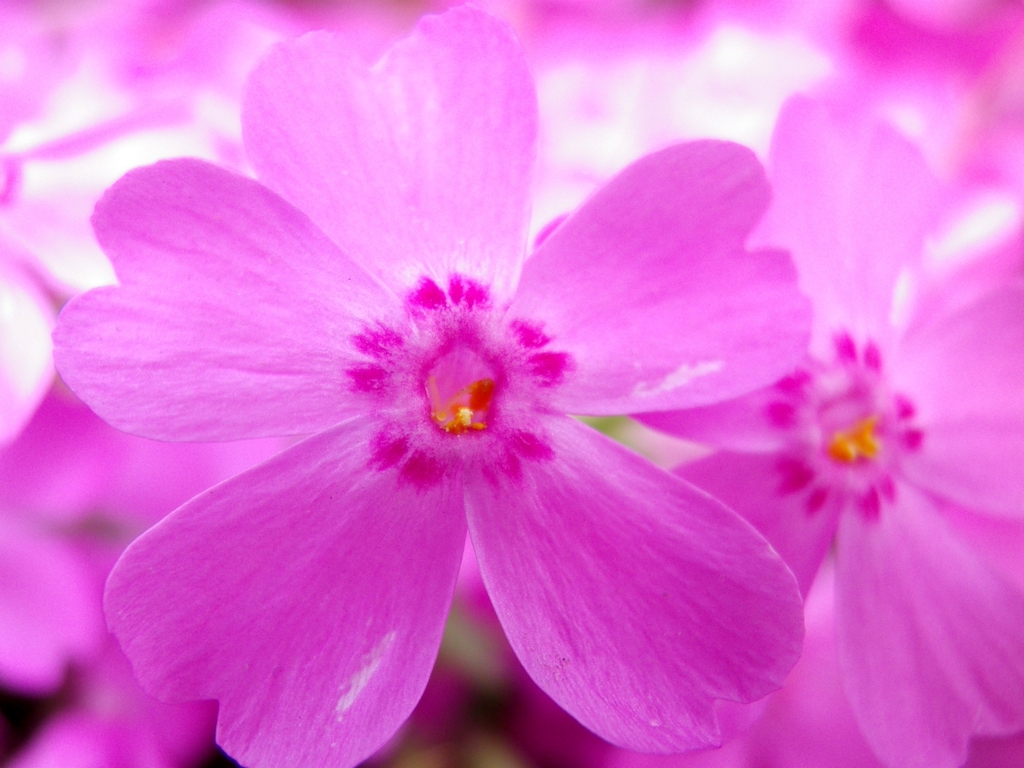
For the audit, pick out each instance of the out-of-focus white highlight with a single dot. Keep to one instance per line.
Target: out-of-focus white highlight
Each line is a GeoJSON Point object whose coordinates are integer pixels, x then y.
{"type": "Point", "coordinates": [985, 222]}
{"type": "Point", "coordinates": [90, 134]}
{"type": "Point", "coordinates": [740, 78]}
{"type": "Point", "coordinates": [26, 365]}
{"type": "Point", "coordinates": [903, 295]}
{"type": "Point", "coordinates": [82, 100]}
{"type": "Point", "coordinates": [25, 344]}
{"type": "Point", "coordinates": [602, 113]}
{"type": "Point", "coordinates": [909, 119]}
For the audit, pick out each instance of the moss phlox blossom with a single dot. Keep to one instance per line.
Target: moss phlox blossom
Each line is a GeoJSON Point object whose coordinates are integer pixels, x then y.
{"type": "Point", "coordinates": [371, 290]}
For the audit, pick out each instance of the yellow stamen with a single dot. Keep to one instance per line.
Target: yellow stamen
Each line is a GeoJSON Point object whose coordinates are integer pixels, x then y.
{"type": "Point", "coordinates": [856, 443]}
{"type": "Point", "coordinates": [458, 414]}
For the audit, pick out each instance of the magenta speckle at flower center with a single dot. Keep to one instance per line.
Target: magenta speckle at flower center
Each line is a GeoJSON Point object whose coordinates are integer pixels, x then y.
{"type": "Point", "coordinates": [848, 430]}
{"type": "Point", "coordinates": [454, 380]}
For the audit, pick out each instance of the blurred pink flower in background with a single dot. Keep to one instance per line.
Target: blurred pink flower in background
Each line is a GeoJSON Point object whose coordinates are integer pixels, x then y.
{"type": "Point", "coordinates": [49, 607]}
{"type": "Point", "coordinates": [73, 492]}
{"type": "Point", "coordinates": [890, 432]}
{"type": "Point", "coordinates": [108, 722]}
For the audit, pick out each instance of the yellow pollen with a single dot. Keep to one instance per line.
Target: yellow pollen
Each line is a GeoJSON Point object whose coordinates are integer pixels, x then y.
{"type": "Point", "coordinates": [461, 411]}
{"type": "Point", "coordinates": [858, 442]}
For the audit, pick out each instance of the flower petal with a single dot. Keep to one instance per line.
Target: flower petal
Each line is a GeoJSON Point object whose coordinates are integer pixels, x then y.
{"type": "Point", "coordinates": [757, 486]}
{"type": "Point", "coordinates": [979, 464]}
{"type": "Point", "coordinates": [633, 599]}
{"type": "Point", "coordinates": [418, 165]}
{"type": "Point", "coordinates": [232, 316]}
{"type": "Point", "coordinates": [997, 753]}
{"type": "Point", "coordinates": [964, 376]}
{"type": "Point", "coordinates": [853, 206]}
{"type": "Point", "coordinates": [648, 289]}
{"type": "Point", "coordinates": [809, 724]}
{"type": "Point", "coordinates": [1000, 540]}
{"type": "Point", "coordinates": [67, 464]}
{"type": "Point", "coordinates": [307, 595]}
{"type": "Point", "coordinates": [751, 423]}
{"type": "Point", "coordinates": [931, 638]}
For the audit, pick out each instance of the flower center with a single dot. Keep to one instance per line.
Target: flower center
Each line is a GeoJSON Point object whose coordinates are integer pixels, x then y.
{"type": "Point", "coordinates": [460, 388]}
{"type": "Point", "coordinates": [848, 430]}
{"type": "Point", "coordinates": [858, 442]}
{"type": "Point", "coordinates": [465, 410]}
{"type": "Point", "coordinates": [453, 365]}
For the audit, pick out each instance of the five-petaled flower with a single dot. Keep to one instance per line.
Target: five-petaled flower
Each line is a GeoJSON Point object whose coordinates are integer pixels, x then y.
{"type": "Point", "coordinates": [898, 443]}
{"type": "Point", "coordinates": [372, 290]}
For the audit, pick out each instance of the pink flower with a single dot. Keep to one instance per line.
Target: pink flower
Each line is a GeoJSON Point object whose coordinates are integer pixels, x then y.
{"type": "Point", "coordinates": [809, 723]}
{"type": "Point", "coordinates": [888, 435]}
{"type": "Point", "coordinates": [375, 293]}
{"type": "Point", "coordinates": [105, 720]}
{"type": "Point", "coordinates": [49, 606]}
